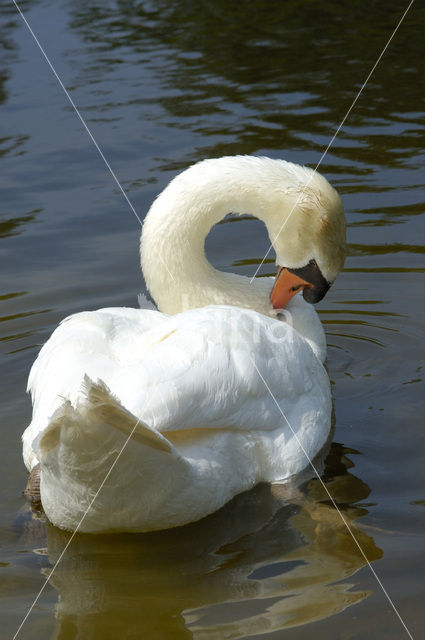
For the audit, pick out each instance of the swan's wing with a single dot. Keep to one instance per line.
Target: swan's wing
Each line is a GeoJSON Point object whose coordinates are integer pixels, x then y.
{"type": "Point", "coordinates": [93, 343]}
{"type": "Point", "coordinates": [210, 368]}
{"type": "Point", "coordinates": [222, 368]}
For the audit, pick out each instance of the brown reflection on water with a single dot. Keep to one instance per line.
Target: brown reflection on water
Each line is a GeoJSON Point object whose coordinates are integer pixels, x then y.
{"type": "Point", "coordinates": [14, 226]}
{"type": "Point", "coordinates": [272, 558]}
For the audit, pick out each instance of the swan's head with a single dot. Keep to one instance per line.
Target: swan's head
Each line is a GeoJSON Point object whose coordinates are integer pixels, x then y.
{"type": "Point", "coordinates": [308, 237]}
{"type": "Point", "coordinates": [302, 212]}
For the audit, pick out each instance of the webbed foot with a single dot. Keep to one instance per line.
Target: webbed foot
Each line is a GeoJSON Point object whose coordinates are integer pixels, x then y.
{"type": "Point", "coordinates": [32, 490]}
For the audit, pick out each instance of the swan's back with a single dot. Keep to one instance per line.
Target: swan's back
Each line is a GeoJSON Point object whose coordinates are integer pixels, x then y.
{"type": "Point", "coordinates": [197, 380]}
{"type": "Point", "coordinates": [198, 369]}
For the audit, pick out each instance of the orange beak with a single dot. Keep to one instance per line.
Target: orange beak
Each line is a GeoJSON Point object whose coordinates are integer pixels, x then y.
{"type": "Point", "coordinates": [286, 286]}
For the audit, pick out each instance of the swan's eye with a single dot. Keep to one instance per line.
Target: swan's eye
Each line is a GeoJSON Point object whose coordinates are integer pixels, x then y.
{"type": "Point", "coordinates": [297, 287]}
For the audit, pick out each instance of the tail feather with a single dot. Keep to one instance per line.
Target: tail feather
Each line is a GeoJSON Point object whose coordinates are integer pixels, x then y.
{"type": "Point", "coordinates": [106, 406]}
{"type": "Point", "coordinates": [77, 453]}
{"type": "Point", "coordinates": [99, 404]}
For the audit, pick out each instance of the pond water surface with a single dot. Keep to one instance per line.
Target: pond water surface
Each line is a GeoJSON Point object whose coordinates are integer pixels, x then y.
{"type": "Point", "coordinates": [163, 84]}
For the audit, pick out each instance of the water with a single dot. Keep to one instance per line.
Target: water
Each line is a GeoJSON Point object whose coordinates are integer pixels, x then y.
{"type": "Point", "coordinates": [161, 85]}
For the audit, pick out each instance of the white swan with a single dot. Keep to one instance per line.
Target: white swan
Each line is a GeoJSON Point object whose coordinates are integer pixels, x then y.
{"type": "Point", "coordinates": [194, 375]}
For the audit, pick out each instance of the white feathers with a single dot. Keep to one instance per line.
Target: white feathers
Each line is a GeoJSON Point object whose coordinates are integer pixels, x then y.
{"type": "Point", "coordinates": [191, 379]}
{"type": "Point", "coordinates": [183, 389]}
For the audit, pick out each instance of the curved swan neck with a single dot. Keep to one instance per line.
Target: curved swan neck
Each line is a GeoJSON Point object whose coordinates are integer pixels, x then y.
{"type": "Point", "coordinates": [177, 272]}
{"type": "Point", "coordinates": [174, 264]}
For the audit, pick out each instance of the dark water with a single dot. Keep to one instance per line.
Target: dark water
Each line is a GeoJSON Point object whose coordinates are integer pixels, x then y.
{"type": "Point", "coordinates": [163, 84]}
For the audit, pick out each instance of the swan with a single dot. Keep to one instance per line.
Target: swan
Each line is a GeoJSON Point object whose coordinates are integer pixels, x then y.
{"type": "Point", "coordinates": [217, 389]}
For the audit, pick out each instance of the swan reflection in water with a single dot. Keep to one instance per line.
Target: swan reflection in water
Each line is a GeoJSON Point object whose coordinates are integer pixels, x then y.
{"type": "Point", "coordinates": [274, 557]}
